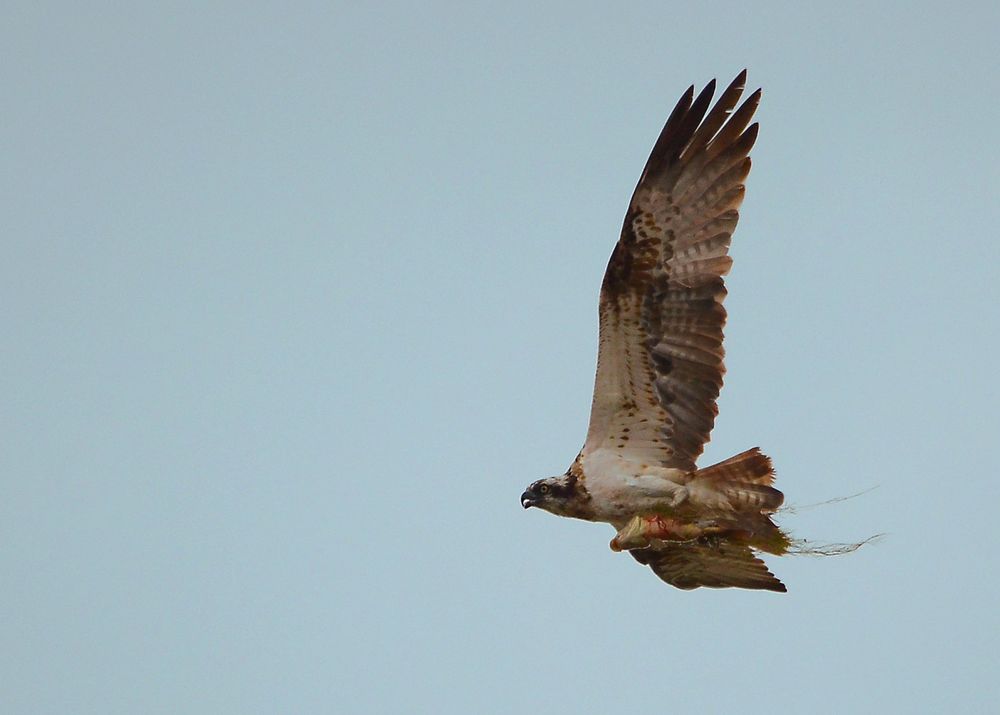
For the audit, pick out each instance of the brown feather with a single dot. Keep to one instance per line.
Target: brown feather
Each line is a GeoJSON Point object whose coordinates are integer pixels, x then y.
{"type": "Point", "coordinates": [752, 466]}
{"type": "Point", "coordinates": [722, 564]}
{"type": "Point", "coordinates": [660, 362]}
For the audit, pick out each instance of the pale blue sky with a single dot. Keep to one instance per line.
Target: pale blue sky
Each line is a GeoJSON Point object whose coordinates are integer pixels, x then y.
{"type": "Point", "coordinates": [296, 299]}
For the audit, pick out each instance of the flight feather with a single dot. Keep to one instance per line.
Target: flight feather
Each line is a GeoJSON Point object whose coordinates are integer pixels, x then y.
{"type": "Point", "coordinates": [660, 356]}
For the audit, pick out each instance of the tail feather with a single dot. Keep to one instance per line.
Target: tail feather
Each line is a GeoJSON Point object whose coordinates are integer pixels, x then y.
{"type": "Point", "coordinates": [750, 467]}
{"type": "Point", "coordinates": [745, 480]}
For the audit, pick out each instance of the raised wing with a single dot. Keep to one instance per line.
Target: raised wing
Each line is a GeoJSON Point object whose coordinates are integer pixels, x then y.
{"type": "Point", "coordinates": [660, 358]}
{"type": "Point", "coordinates": [692, 564]}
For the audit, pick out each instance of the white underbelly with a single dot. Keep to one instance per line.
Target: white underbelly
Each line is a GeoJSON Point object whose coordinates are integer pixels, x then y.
{"type": "Point", "coordinates": [621, 488]}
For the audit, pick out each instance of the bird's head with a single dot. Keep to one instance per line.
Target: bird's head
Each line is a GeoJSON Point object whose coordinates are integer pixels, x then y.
{"type": "Point", "coordinates": [557, 495]}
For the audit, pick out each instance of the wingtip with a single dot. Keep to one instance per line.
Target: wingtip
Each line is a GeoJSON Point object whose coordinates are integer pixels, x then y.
{"type": "Point", "coordinates": [739, 83]}
{"type": "Point", "coordinates": [751, 103]}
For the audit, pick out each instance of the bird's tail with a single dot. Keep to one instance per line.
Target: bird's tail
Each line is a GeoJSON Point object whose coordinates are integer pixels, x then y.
{"type": "Point", "coordinates": [745, 480]}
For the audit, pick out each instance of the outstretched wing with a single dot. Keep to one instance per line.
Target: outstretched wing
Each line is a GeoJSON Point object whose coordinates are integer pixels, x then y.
{"type": "Point", "coordinates": [692, 564]}
{"type": "Point", "coordinates": [660, 359]}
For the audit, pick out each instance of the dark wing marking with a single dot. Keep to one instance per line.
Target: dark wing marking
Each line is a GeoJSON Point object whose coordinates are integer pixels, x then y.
{"type": "Point", "coordinates": [693, 564]}
{"type": "Point", "coordinates": [660, 356]}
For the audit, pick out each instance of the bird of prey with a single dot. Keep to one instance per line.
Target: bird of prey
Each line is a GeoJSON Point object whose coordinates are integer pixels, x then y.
{"type": "Point", "coordinates": [660, 367]}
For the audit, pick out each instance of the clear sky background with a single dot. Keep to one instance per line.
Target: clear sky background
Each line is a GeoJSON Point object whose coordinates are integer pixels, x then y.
{"type": "Point", "coordinates": [297, 298]}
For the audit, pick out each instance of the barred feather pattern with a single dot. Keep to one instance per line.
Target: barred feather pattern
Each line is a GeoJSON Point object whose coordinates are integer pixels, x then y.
{"type": "Point", "coordinates": [660, 357]}
{"type": "Point", "coordinates": [689, 565]}
{"type": "Point", "coordinates": [744, 481]}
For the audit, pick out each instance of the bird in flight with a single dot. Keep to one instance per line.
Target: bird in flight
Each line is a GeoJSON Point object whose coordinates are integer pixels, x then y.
{"type": "Point", "coordinates": [660, 367]}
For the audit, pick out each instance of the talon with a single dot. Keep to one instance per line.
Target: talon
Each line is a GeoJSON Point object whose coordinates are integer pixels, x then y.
{"type": "Point", "coordinates": [679, 497]}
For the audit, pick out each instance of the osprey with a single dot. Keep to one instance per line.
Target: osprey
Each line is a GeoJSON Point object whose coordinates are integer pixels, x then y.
{"type": "Point", "coordinates": [660, 367]}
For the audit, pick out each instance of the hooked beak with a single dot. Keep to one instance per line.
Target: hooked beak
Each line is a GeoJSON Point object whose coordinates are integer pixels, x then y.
{"type": "Point", "coordinates": [527, 500]}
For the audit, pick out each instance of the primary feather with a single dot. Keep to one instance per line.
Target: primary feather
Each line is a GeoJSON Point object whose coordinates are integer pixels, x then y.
{"type": "Point", "coordinates": [660, 357]}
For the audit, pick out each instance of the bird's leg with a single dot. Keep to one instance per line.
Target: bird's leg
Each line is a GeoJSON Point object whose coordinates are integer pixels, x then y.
{"type": "Point", "coordinates": [638, 532]}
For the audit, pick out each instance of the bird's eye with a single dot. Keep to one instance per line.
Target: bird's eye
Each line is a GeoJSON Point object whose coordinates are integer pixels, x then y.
{"type": "Point", "coordinates": [544, 489]}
